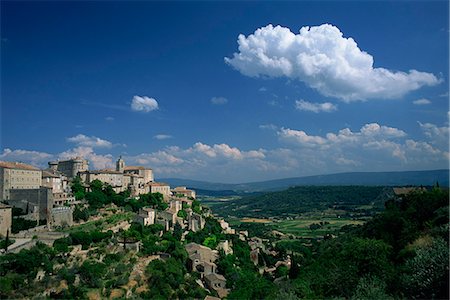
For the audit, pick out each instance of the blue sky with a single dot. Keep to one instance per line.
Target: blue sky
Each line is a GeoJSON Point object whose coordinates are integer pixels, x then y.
{"type": "Point", "coordinates": [308, 88]}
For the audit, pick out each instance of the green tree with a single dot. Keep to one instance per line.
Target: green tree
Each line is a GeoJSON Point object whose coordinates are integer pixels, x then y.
{"type": "Point", "coordinates": [164, 278]}
{"type": "Point", "coordinates": [78, 188]}
{"type": "Point", "coordinates": [211, 242]}
{"type": "Point", "coordinates": [427, 273]}
{"type": "Point", "coordinates": [92, 272]}
{"type": "Point", "coordinates": [177, 231]}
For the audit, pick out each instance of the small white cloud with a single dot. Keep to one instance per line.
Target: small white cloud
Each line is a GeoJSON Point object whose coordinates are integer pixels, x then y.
{"type": "Point", "coordinates": [89, 141]}
{"type": "Point", "coordinates": [325, 60]}
{"type": "Point", "coordinates": [268, 127]}
{"type": "Point", "coordinates": [315, 107]}
{"type": "Point", "coordinates": [144, 104]}
{"type": "Point", "coordinates": [262, 89]}
{"type": "Point", "coordinates": [273, 103]}
{"type": "Point", "coordinates": [162, 137]}
{"type": "Point", "coordinates": [110, 119]}
{"type": "Point", "coordinates": [219, 100]}
{"type": "Point", "coordinates": [421, 101]}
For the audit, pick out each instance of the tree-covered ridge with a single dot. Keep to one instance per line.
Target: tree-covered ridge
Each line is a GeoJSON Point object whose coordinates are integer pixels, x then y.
{"type": "Point", "coordinates": [401, 253]}
{"type": "Point", "coordinates": [301, 199]}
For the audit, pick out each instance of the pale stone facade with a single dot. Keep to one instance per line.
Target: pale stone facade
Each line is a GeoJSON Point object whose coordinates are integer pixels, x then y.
{"type": "Point", "coordinates": [113, 178]}
{"type": "Point", "coordinates": [182, 190]}
{"type": "Point", "coordinates": [60, 186]}
{"type": "Point", "coordinates": [134, 178]}
{"type": "Point", "coordinates": [162, 188]}
{"type": "Point", "coordinates": [61, 217]}
{"type": "Point", "coordinates": [5, 219]}
{"type": "Point", "coordinates": [70, 167]}
{"type": "Point", "coordinates": [146, 216]}
{"type": "Point", "coordinates": [145, 173]}
{"type": "Point", "coordinates": [14, 175]}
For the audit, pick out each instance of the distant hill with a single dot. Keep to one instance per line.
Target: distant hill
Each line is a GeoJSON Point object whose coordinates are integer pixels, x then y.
{"type": "Point", "coordinates": [353, 178]}
{"type": "Point", "coordinates": [301, 199]}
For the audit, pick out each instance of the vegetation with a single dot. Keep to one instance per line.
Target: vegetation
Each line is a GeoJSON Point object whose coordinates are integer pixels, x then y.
{"type": "Point", "coordinates": [19, 224]}
{"type": "Point", "coordinates": [402, 251]}
{"type": "Point", "coordinates": [409, 240]}
{"type": "Point", "coordinates": [302, 199]}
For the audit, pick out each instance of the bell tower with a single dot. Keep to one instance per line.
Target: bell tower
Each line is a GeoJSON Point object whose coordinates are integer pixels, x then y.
{"type": "Point", "coordinates": [120, 165]}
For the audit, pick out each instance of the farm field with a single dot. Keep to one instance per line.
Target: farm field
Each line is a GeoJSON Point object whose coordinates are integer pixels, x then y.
{"type": "Point", "coordinates": [305, 227]}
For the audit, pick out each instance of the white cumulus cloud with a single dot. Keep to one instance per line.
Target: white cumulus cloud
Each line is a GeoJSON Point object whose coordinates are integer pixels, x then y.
{"type": "Point", "coordinates": [89, 141]}
{"type": "Point", "coordinates": [144, 104]}
{"type": "Point", "coordinates": [97, 161]}
{"type": "Point", "coordinates": [315, 107]}
{"type": "Point", "coordinates": [325, 60]}
{"type": "Point", "coordinates": [35, 158]}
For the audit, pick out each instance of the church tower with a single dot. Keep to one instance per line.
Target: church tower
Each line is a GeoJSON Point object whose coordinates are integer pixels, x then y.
{"type": "Point", "coordinates": [120, 165]}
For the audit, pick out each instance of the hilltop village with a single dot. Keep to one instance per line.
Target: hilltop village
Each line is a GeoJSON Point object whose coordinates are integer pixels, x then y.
{"type": "Point", "coordinates": [68, 232]}
{"type": "Point", "coordinates": [78, 211]}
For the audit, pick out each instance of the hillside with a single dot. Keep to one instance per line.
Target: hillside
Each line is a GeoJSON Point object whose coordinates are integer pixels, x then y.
{"type": "Point", "coordinates": [353, 178]}
{"type": "Point", "coordinates": [301, 199]}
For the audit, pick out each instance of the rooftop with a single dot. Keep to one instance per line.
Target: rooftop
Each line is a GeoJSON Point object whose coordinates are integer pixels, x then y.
{"type": "Point", "coordinates": [157, 184]}
{"type": "Point", "coordinates": [49, 174]}
{"type": "Point", "coordinates": [129, 168]}
{"type": "Point", "coordinates": [105, 171]}
{"type": "Point", "coordinates": [17, 165]}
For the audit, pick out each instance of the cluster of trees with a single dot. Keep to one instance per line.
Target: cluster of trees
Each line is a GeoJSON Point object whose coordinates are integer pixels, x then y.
{"type": "Point", "coordinates": [242, 275]}
{"type": "Point", "coordinates": [85, 239]}
{"type": "Point", "coordinates": [402, 252]}
{"type": "Point", "coordinates": [101, 194]}
{"type": "Point", "coordinates": [209, 236]}
{"type": "Point", "coordinates": [18, 271]}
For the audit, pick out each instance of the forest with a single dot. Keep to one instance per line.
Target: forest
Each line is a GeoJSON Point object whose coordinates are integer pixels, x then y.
{"type": "Point", "coordinates": [301, 199]}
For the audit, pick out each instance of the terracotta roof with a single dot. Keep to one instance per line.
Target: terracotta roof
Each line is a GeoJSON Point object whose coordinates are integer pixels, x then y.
{"type": "Point", "coordinates": [102, 172]}
{"type": "Point", "coordinates": [17, 165]}
{"type": "Point", "coordinates": [49, 174]}
{"type": "Point", "coordinates": [407, 190]}
{"type": "Point", "coordinates": [157, 184]}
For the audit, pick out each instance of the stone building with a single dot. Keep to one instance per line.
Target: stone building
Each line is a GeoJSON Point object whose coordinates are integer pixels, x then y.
{"type": "Point", "coordinates": [70, 167]}
{"type": "Point", "coordinates": [146, 216]}
{"type": "Point", "coordinates": [5, 219]}
{"type": "Point", "coordinates": [226, 246]}
{"type": "Point", "coordinates": [145, 173]}
{"type": "Point", "coordinates": [61, 217]}
{"type": "Point", "coordinates": [111, 177]}
{"type": "Point", "coordinates": [14, 175]}
{"type": "Point", "coordinates": [195, 222]}
{"type": "Point", "coordinates": [159, 187]}
{"type": "Point", "coordinates": [60, 186]}
{"type": "Point", "coordinates": [201, 259]}
{"type": "Point", "coordinates": [41, 197]}
{"type": "Point", "coordinates": [135, 184]}
{"type": "Point", "coordinates": [182, 190]}
{"type": "Point", "coordinates": [166, 219]}
{"type": "Point", "coordinates": [217, 283]}
{"type": "Point", "coordinates": [175, 206]}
